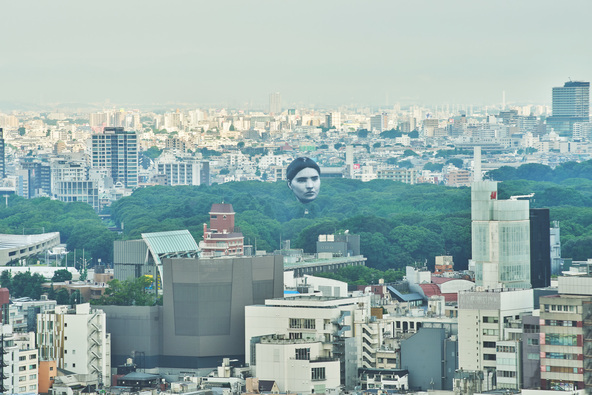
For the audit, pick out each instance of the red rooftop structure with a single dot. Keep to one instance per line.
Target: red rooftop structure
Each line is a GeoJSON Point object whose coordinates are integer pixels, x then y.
{"type": "Point", "coordinates": [222, 238]}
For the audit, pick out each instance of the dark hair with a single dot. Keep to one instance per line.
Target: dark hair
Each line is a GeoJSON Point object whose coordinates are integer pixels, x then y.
{"type": "Point", "coordinates": [299, 164]}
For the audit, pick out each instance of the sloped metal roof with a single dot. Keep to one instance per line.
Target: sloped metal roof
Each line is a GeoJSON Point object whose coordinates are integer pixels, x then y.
{"type": "Point", "coordinates": [403, 297]}
{"type": "Point", "coordinates": [171, 243]}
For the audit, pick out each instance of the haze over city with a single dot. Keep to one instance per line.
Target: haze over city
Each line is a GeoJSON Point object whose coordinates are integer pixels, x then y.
{"type": "Point", "coordinates": [327, 53]}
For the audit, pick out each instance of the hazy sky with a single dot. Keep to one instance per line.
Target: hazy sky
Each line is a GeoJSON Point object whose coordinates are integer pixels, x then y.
{"type": "Point", "coordinates": [327, 52]}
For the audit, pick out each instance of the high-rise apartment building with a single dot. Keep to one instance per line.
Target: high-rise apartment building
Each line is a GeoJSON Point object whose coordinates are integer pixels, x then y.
{"type": "Point", "coordinates": [379, 122]}
{"type": "Point", "coordinates": [34, 178]}
{"type": "Point", "coordinates": [184, 172]}
{"type": "Point", "coordinates": [275, 103]}
{"type": "Point", "coordinates": [2, 155]}
{"type": "Point", "coordinates": [117, 151]}
{"type": "Point", "coordinates": [571, 104]}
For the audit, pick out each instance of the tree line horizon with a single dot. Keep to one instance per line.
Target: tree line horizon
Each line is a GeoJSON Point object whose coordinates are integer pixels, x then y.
{"type": "Point", "coordinates": [399, 224]}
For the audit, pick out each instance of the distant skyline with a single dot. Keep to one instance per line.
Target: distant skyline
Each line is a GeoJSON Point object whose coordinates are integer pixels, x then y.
{"type": "Point", "coordinates": [324, 53]}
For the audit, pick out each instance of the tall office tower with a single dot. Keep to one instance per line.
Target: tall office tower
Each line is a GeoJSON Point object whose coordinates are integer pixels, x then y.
{"type": "Point", "coordinates": [2, 155]}
{"type": "Point", "coordinates": [98, 119]}
{"type": "Point", "coordinates": [379, 122]}
{"type": "Point", "coordinates": [335, 120]}
{"type": "Point", "coordinates": [275, 103]}
{"type": "Point", "coordinates": [540, 248]}
{"type": "Point", "coordinates": [36, 177]}
{"type": "Point", "coordinates": [571, 104]}
{"type": "Point", "coordinates": [500, 236]}
{"type": "Point", "coordinates": [117, 151]}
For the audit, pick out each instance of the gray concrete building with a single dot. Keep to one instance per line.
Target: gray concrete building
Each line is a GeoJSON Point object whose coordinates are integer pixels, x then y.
{"type": "Point", "coordinates": [202, 319]}
{"type": "Point", "coordinates": [204, 305]}
{"type": "Point", "coordinates": [531, 349]}
{"type": "Point", "coordinates": [431, 357]}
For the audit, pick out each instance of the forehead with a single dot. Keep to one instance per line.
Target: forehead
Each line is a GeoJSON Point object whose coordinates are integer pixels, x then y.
{"type": "Point", "coordinates": [306, 173]}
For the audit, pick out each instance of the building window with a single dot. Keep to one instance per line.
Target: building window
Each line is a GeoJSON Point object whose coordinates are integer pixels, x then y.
{"type": "Point", "coordinates": [303, 353]}
{"type": "Point", "coordinates": [309, 324]}
{"type": "Point", "coordinates": [32, 356]}
{"type": "Point", "coordinates": [32, 377]}
{"type": "Point", "coordinates": [33, 366]}
{"type": "Point", "coordinates": [561, 340]}
{"type": "Point", "coordinates": [22, 368]}
{"type": "Point", "coordinates": [298, 323]}
{"type": "Point", "coordinates": [531, 328]}
{"type": "Point", "coordinates": [22, 378]}
{"type": "Point", "coordinates": [22, 358]}
{"type": "Point", "coordinates": [506, 373]}
{"type": "Point", "coordinates": [490, 320]}
{"type": "Point", "coordinates": [317, 374]}
{"type": "Point", "coordinates": [532, 341]}
{"type": "Point", "coordinates": [560, 355]}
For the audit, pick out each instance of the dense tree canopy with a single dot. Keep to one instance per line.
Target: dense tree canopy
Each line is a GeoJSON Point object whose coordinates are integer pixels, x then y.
{"type": "Point", "coordinates": [61, 276]}
{"type": "Point", "coordinates": [79, 226]}
{"type": "Point", "coordinates": [22, 284]}
{"type": "Point", "coordinates": [399, 224]}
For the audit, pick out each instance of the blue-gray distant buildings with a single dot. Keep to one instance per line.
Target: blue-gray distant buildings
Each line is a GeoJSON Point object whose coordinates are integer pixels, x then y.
{"type": "Point", "coordinates": [571, 104]}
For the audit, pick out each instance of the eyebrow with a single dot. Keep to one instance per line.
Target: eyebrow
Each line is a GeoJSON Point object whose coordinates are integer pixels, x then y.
{"type": "Point", "coordinates": [304, 178]}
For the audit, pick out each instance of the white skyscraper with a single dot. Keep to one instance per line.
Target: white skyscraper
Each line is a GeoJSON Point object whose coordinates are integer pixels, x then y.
{"type": "Point", "coordinates": [275, 103]}
{"type": "Point", "coordinates": [500, 238]}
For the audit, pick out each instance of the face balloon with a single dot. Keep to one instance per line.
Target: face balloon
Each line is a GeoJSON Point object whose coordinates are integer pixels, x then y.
{"type": "Point", "coordinates": [304, 179]}
{"type": "Point", "coordinates": [306, 185]}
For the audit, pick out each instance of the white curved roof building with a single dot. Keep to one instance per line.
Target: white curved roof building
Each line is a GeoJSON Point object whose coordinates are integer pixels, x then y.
{"type": "Point", "coordinates": [16, 247]}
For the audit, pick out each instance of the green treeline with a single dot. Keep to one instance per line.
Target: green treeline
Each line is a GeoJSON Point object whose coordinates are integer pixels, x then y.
{"type": "Point", "coordinates": [79, 226]}
{"type": "Point", "coordinates": [399, 224]}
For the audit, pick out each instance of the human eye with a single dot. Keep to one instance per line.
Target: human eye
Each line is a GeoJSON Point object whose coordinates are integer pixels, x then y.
{"type": "Point", "coordinates": [301, 179]}
{"type": "Point", "coordinates": [315, 178]}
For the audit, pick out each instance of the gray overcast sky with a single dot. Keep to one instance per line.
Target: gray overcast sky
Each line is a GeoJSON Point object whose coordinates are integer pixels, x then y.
{"type": "Point", "coordinates": [327, 52]}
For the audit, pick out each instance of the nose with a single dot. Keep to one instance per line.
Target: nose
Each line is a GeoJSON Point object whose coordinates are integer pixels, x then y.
{"type": "Point", "coordinates": [309, 184]}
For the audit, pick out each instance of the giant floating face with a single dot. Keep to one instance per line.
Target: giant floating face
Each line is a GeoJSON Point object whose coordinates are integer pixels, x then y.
{"type": "Point", "coordinates": [304, 179]}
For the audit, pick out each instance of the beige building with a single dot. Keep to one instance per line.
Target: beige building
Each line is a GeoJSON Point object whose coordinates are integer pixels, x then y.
{"type": "Point", "coordinates": [77, 340]}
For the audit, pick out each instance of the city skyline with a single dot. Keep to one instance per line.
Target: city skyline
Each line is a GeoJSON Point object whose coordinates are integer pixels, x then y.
{"type": "Point", "coordinates": [235, 54]}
